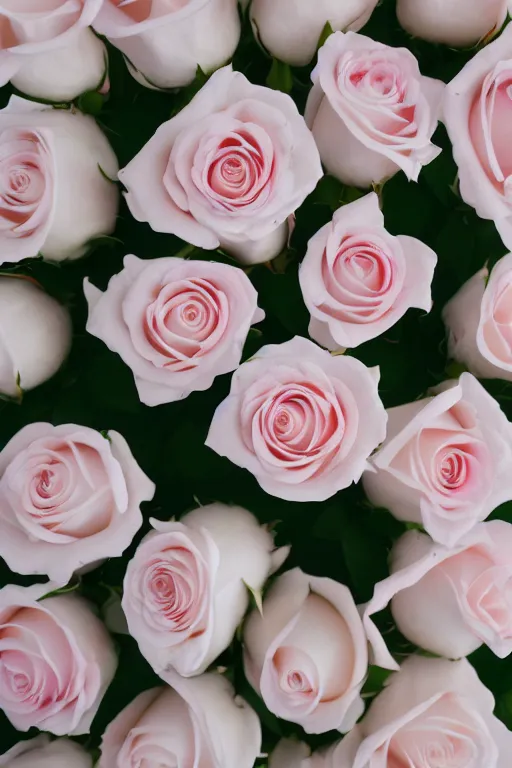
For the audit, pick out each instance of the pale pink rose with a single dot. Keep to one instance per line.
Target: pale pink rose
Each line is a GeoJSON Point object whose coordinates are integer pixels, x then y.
{"type": "Point", "coordinates": [291, 754]}
{"type": "Point", "coordinates": [69, 497]}
{"type": "Point", "coordinates": [302, 421]}
{"type": "Point", "coordinates": [290, 29]}
{"type": "Point", "coordinates": [197, 722]}
{"type": "Point", "coordinates": [450, 601]}
{"type": "Point", "coordinates": [446, 461]}
{"type": "Point", "coordinates": [186, 589]}
{"type": "Point", "coordinates": [177, 323]}
{"type": "Point", "coordinates": [56, 660]}
{"type": "Point", "coordinates": [434, 713]}
{"type": "Point", "coordinates": [165, 41]}
{"type": "Point", "coordinates": [43, 753]}
{"type": "Point", "coordinates": [456, 22]}
{"type": "Point", "coordinates": [371, 111]}
{"type": "Point", "coordinates": [53, 196]}
{"type": "Point", "coordinates": [35, 334]}
{"type": "Point", "coordinates": [228, 171]}
{"type": "Point", "coordinates": [477, 112]}
{"type": "Point", "coordinates": [47, 49]}
{"type": "Point", "coordinates": [306, 653]}
{"type": "Point", "coordinates": [479, 322]}
{"type": "Point", "coordinates": [357, 280]}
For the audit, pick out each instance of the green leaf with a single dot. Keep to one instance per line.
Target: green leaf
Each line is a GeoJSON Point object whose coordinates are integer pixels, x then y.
{"type": "Point", "coordinates": [256, 596]}
{"type": "Point", "coordinates": [327, 31]}
{"type": "Point", "coordinates": [280, 77]}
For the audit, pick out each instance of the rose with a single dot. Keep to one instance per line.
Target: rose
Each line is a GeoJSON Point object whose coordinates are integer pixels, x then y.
{"type": "Point", "coordinates": [479, 322]}
{"type": "Point", "coordinates": [291, 754]}
{"type": "Point", "coordinates": [228, 170]}
{"type": "Point", "coordinates": [291, 29]}
{"type": "Point", "coordinates": [43, 753]}
{"type": "Point", "coordinates": [35, 335]}
{"type": "Point", "coordinates": [445, 463]}
{"type": "Point", "coordinates": [47, 48]}
{"type": "Point", "coordinates": [303, 422]}
{"type": "Point", "coordinates": [370, 110]}
{"type": "Point", "coordinates": [53, 194]}
{"type": "Point", "coordinates": [477, 112]}
{"type": "Point", "coordinates": [357, 280]}
{"type": "Point", "coordinates": [306, 653]}
{"type": "Point", "coordinates": [450, 601]}
{"type": "Point", "coordinates": [457, 23]}
{"type": "Point", "coordinates": [177, 323]}
{"type": "Point", "coordinates": [200, 722]}
{"type": "Point", "coordinates": [165, 41]}
{"type": "Point", "coordinates": [187, 587]}
{"type": "Point", "coordinates": [434, 713]}
{"type": "Point", "coordinates": [69, 497]}
{"type": "Point", "coordinates": [56, 660]}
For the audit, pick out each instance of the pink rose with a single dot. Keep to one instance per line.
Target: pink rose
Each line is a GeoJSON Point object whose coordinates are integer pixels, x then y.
{"type": "Point", "coordinates": [357, 280]}
{"type": "Point", "coordinates": [371, 111]}
{"type": "Point", "coordinates": [477, 113]}
{"type": "Point", "coordinates": [461, 23]}
{"type": "Point", "coordinates": [70, 498]}
{"type": "Point", "coordinates": [290, 29]}
{"type": "Point", "coordinates": [56, 660]}
{"type": "Point", "coordinates": [47, 49]}
{"type": "Point", "coordinates": [165, 41]}
{"type": "Point", "coordinates": [303, 422]}
{"type": "Point", "coordinates": [479, 322]}
{"type": "Point", "coordinates": [53, 196]}
{"type": "Point", "coordinates": [450, 601]}
{"type": "Point", "coordinates": [186, 589]}
{"type": "Point", "coordinates": [445, 463]}
{"type": "Point", "coordinates": [228, 171]}
{"type": "Point", "coordinates": [177, 323]}
{"type": "Point", "coordinates": [197, 722]}
{"type": "Point", "coordinates": [433, 712]}
{"type": "Point", "coordinates": [43, 753]}
{"type": "Point", "coordinates": [306, 653]}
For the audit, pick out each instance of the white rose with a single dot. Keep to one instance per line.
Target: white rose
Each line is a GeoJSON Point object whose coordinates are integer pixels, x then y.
{"type": "Point", "coordinates": [454, 22]}
{"type": "Point", "coordinates": [54, 197]}
{"type": "Point", "coordinates": [164, 41]}
{"type": "Point", "coordinates": [35, 335]}
{"type": "Point", "coordinates": [43, 753]}
{"type": "Point", "coordinates": [291, 29]}
{"type": "Point", "coordinates": [48, 49]}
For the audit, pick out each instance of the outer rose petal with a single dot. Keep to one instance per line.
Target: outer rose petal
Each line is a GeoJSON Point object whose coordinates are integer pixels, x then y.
{"type": "Point", "coordinates": [461, 23]}
{"type": "Point", "coordinates": [291, 30]}
{"type": "Point", "coordinates": [290, 754]}
{"type": "Point", "coordinates": [42, 753]}
{"type": "Point", "coordinates": [165, 51]}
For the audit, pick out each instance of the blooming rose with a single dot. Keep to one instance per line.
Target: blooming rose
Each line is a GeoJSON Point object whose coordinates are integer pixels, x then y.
{"type": "Point", "coordinates": [165, 41]}
{"type": "Point", "coordinates": [434, 713]}
{"type": "Point", "coordinates": [53, 195]}
{"type": "Point", "coordinates": [357, 280]}
{"type": "Point", "coordinates": [303, 422]}
{"type": "Point", "coordinates": [306, 653]}
{"type": "Point", "coordinates": [197, 722]}
{"type": "Point", "coordinates": [186, 589]}
{"type": "Point", "coordinates": [228, 170]}
{"type": "Point", "coordinates": [43, 753]}
{"type": "Point", "coordinates": [450, 601]}
{"type": "Point", "coordinates": [291, 29]}
{"type": "Point", "coordinates": [446, 461]}
{"type": "Point", "coordinates": [69, 498]}
{"type": "Point", "coordinates": [56, 660]}
{"type": "Point", "coordinates": [477, 112]}
{"type": "Point", "coordinates": [35, 335]}
{"type": "Point", "coordinates": [47, 49]}
{"type": "Point", "coordinates": [456, 23]}
{"type": "Point", "coordinates": [479, 322]}
{"type": "Point", "coordinates": [371, 111]}
{"type": "Point", "coordinates": [177, 323]}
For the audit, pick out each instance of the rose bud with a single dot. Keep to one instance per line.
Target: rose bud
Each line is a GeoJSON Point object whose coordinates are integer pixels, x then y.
{"type": "Point", "coordinates": [43, 753]}
{"type": "Point", "coordinates": [458, 23]}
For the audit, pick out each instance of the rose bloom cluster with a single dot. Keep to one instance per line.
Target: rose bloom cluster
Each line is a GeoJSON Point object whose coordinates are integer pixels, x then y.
{"type": "Point", "coordinates": [227, 174]}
